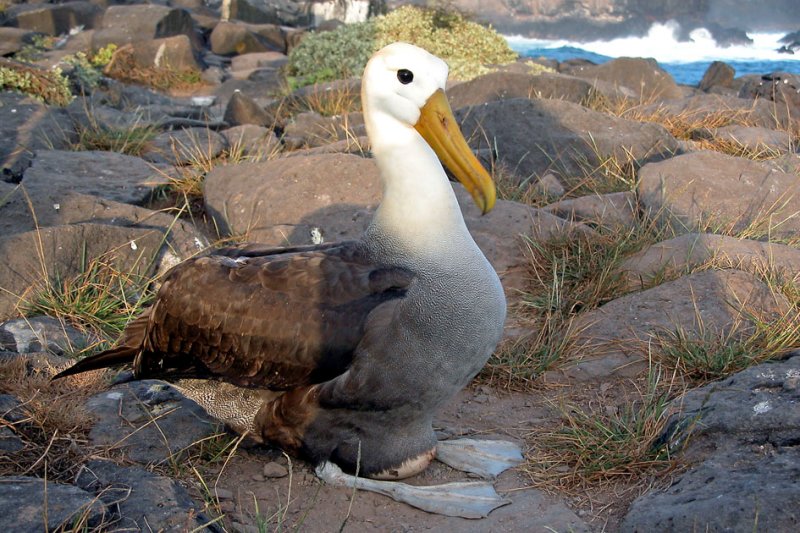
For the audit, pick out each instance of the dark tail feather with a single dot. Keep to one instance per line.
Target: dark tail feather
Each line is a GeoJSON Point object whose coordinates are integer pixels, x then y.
{"type": "Point", "coordinates": [115, 356]}
{"type": "Point", "coordinates": [131, 343]}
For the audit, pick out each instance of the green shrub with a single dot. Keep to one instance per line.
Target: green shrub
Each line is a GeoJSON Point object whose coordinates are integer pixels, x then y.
{"type": "Point", "coordinates": [466, 46]}
{"type": "Point", "coordinates": [332, 55]}
{"type": "Point", "coordinates": [50, 86]}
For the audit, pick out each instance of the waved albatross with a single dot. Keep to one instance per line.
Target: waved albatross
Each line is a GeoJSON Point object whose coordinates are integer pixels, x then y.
{"type": "Point", "coordinates": [343, 352]}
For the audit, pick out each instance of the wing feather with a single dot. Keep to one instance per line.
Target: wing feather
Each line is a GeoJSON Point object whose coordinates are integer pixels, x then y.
{"type": "Point", "coordinates": [266, 318]}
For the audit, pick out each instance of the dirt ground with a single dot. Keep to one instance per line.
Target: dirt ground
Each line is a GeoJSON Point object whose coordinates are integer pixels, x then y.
{"type": "Point", "coordinates": [300, 501]}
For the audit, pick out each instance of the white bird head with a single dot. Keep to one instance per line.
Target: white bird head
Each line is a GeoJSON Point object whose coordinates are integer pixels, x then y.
{"type": "Point", "coordinates": [402, 92]}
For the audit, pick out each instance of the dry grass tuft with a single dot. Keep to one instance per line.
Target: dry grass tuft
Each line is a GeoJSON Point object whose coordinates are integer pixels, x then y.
{"type": "Point", "coordinates": [123, 67]}
{"type": "Point", "coordinates": [55, 439]}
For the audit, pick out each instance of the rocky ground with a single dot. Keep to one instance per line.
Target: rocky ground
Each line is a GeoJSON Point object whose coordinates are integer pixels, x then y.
{"type": "Point", "coordinates": [647, 240]}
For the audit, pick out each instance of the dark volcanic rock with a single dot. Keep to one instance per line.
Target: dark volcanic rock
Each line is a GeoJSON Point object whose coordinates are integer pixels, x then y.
{"type": "Point", "coordinates": [142, 500]}
{"type": "Point", "coordinates": [242, 109]}
{"type": "Point", "coordinates": [643, 77]}
{"type": "Point", "coordinates": [149, 420]}
{"type": "Point", "coordinates": [253, 141]}
{"type": "Point", "coordinates": [110, 175]}
{"type": "Point", "coordinates": [742, 435]}
{"type": "Point", "coordinates": [53, 19]}
{"type": "Point", "coordinates": [719, 74]}
{"type": "Point", "coordinates": [23, 501]}
{"type": "Point", "coordinates": [13, 39]}
{"type": "Point", "coordinates": [534, 137]}
{"type": "Point", "coordinates": [506, 85]}
{"type": "Point", "coordinates": [782, 88]}
{"type": "Point", "coordinates": [26, 126]}
{"type": "Point", "coordinates": [32, 207]}
{"type": "Point", "coordinates": [616, 337]}
{"type": "Point", "coordinates": [184, 146]}
{"type": "Point", "coordinates": [127, 24]}
{"type": "Point", "coordinates": [175, 52]}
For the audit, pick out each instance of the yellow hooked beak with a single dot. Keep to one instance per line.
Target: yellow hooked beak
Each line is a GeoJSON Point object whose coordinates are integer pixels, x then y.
{"type": "Point", "coordinates": [438, 127]}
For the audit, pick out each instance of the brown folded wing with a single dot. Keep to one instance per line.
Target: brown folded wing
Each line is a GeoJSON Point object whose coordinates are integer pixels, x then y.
{"type": "Point", "coordinates": [265, 318]}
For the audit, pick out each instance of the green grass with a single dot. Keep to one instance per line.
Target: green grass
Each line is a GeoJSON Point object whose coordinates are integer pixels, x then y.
{"type": "Point", "coordinates": [131, 141]}
{"type": "Point", "coordinates": [101, 299]}
{"type": "Point", "coordinates": [602, 444]}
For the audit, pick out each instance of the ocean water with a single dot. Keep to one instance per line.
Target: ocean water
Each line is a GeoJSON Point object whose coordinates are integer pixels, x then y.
{"type": "Point", "coordinates": [686, 61]}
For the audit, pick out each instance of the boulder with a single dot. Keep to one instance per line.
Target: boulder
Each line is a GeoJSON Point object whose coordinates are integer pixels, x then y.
{"type": "Point", "coordinates": [782, 90]}
{"type": "Point", "coordinates": [254, 142]}
{"type": "Point", "coordinates": [109, 175]}
{"type": "Point", "coordinates": [174, 53]}
{"type": "Point", "coordinates": [123, 24]}
{"type": "Point", "coordinates": [13, 39]}
{"type": "Point", "coordinates": [29, 504]}
{"type": "Point", "coordinates": [740, 437]}
{"type": "Point", "coordinates": [643, 77]}
{"type": "Point", "coordinates": [718, 74]}
{"type": "Point", "coordinates": [306, 199]}
{"type": "Point", "coordinates": [184, 146]}
{"type": "Point", "coordinates": [285, 201]}
{"type": "Point", "coordinates": [149, 421]}
{"type": "Point", "coordinates": [755, 140]}
{"type": "Point", "coordinates": [233, 38]}
{"type": "Point", "coordinates": [53, 19]}
{"type": "Point", "coordinates": [258, 60]}
{"type": "Point", "coordinates": [606, 210]}
{"type": "Point", "coordinates": [34, 257]}
{"type": "Point", "coordinates": [702, 107]}
{"type": "Point", "coordinates": [685, 252]}
{"type": "Point", "coordinates": [242, 109]}
{"type": "Point", "coordinates": [507, 85]}
{"type": "Point", "coordinates": [27, 125]}
{"type": "Point", "coordinates": [616, 337]}
{"type": "Point", "coordinates": [142, 500]}
{"type": "Point", "coordinates": [709, 190]}
{"type": "Point", "coordinates": [534, 137]}
{"type": "Point", "coordinates": [310, 129]}
{"type": "Point", "coordinates": [285, 12]}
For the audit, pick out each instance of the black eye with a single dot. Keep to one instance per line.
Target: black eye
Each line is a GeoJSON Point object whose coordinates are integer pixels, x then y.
{"type": "Point", "coordinates": [405, 76]}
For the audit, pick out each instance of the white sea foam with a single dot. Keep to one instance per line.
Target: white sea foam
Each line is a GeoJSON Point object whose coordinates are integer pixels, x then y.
{"type": "Point", "coordinates": [662, 44]}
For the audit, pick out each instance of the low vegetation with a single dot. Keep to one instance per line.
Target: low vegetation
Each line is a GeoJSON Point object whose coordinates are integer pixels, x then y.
{"type": "Point", "coordinates": [49, 86]}
{"type": "Point", "coordinates": [466, 46]}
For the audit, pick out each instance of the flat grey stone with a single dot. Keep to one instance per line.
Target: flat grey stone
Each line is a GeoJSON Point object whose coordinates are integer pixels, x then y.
{"type": "Point", "coordinates": [741, 437]}
{"type": "Point", "coordinates": [28, 504]}
{"type": "Point", "coordinates": [109, 175]}
{"type": "Point", "coordinates": [142, 500]}
{"type": "Point", "coordinates": [40, 333]}
{"type": "Point", "coordinates": [150, 421]}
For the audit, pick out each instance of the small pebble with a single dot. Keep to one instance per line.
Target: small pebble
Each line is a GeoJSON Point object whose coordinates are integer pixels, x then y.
{"type": "Point", "coordinates": [273, 470]}
{"type": "Point", "coordinates": [791, 383]}
{"type": "Point", "coordinates": [257, 477]}
{"type": "Point", "coordinates": [224, 494]}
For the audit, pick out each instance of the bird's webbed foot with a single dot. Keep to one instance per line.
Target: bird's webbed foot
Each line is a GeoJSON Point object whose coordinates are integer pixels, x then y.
{"type": "Point", "coordinates": [484, 458]}
{"type": "Point", "coordinates": [474, 499]}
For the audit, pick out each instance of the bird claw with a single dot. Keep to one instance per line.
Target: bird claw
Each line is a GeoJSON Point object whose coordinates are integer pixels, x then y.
{"type": "Point", "coordinates": [485, 458]}
{"type": "Point", "coordinates": [466, 500]}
